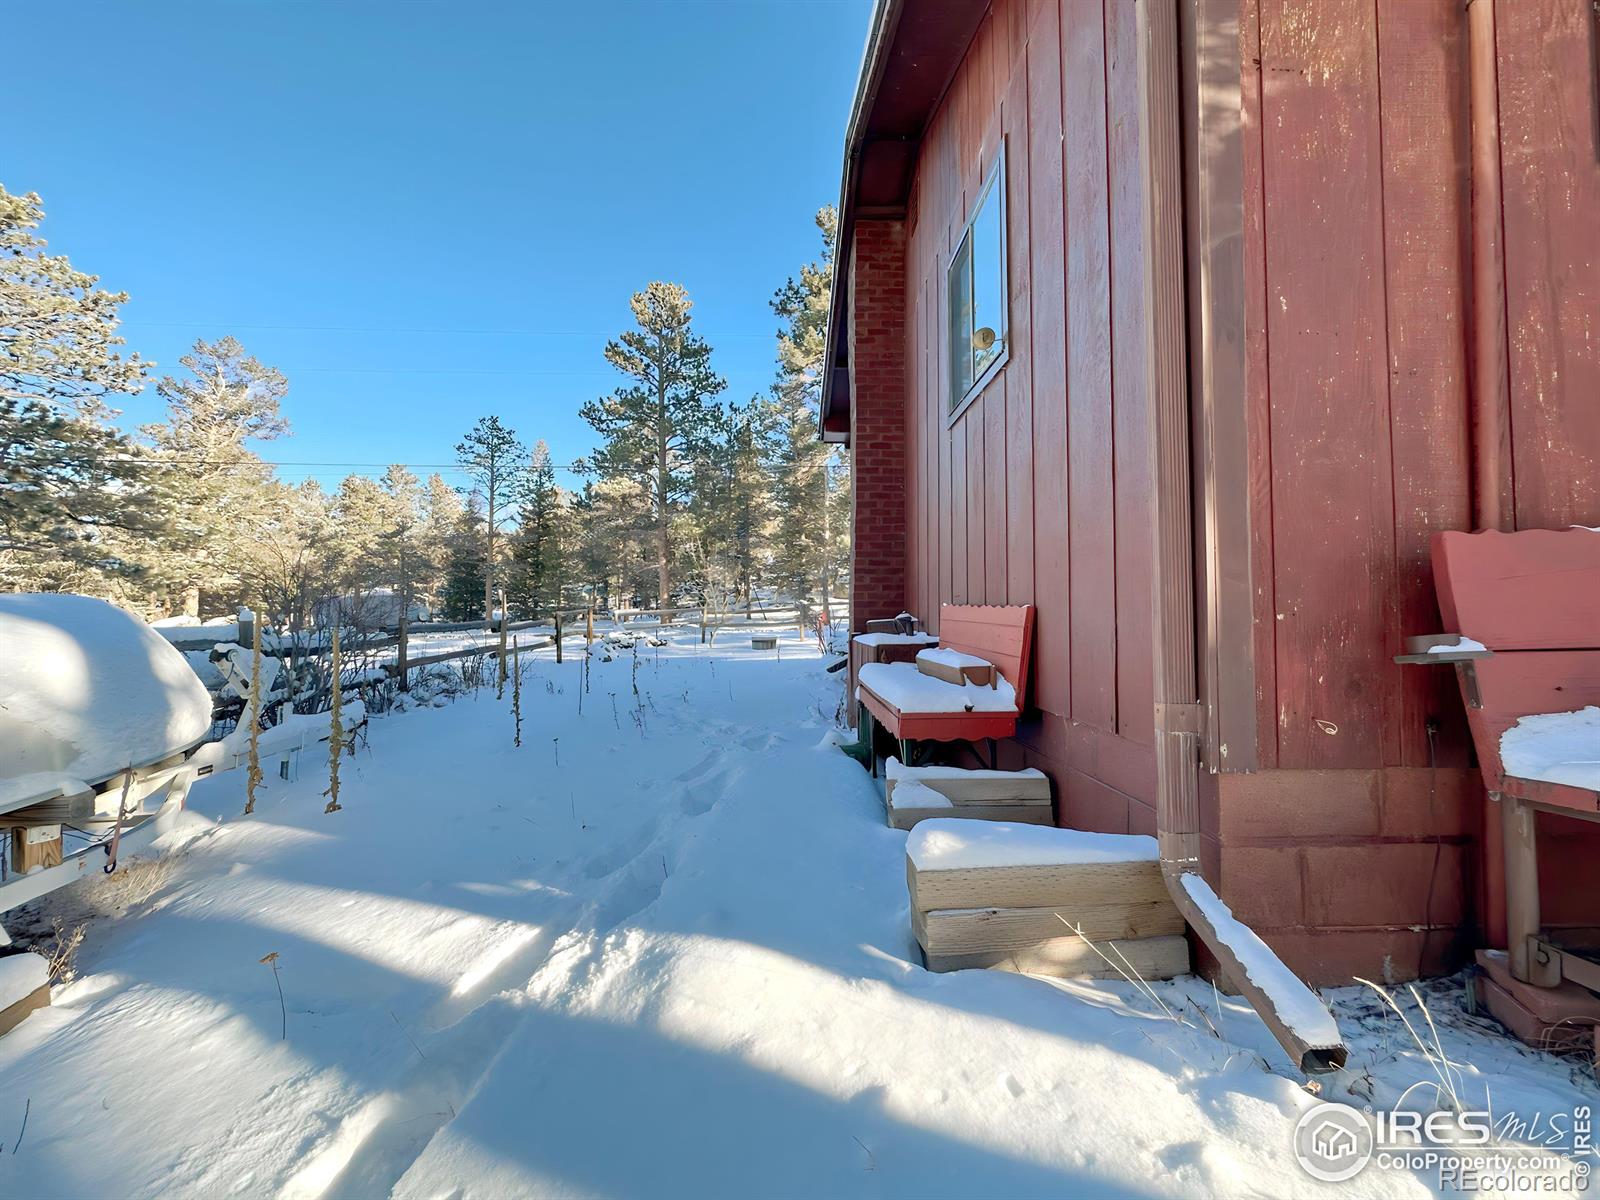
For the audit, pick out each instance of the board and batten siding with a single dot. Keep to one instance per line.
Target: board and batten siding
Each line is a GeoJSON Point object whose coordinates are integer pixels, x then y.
{"type": "Point", "coordinates": [1357, 210]}
{"type": "Point", "coordinates": [1038, 493]}
{"type": "Point", "coordinates": [1356, 222]}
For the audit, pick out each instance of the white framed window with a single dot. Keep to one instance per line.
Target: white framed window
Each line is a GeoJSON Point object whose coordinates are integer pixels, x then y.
{"type": "Point", "coordinates": [975, 291]}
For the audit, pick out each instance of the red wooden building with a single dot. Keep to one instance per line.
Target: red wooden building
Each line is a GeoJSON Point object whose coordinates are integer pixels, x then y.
{"type": "Point", "coordinates": [1190, 322]}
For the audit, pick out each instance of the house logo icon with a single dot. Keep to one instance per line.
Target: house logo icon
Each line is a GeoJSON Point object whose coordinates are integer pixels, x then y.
{"type": "Point", "coordinates": [1332, 1142]}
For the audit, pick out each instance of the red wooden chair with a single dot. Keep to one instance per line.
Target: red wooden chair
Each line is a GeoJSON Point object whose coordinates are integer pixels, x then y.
{"type": "Point", "coordinates": [1532, 601]}
{"type": "Point", "coordinates": [915, 707]}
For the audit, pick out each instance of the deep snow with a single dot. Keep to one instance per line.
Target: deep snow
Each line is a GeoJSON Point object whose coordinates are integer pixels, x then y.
{"type": "Point", "coordinates": [661, 949]}
{"type": "Point", "coordinates": [88, 690]}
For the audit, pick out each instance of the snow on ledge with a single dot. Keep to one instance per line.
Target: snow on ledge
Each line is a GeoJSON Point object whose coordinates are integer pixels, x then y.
{"type": "Point", "coordinates": [952, 844]}
{"type": "Point", "coordinates": [1555, 748]}
{"type": "Point", "coordinates": [1461, 645]}
{"type": "Point", "coordinates": [896, 639]}
{"type": "Point", "coordinates": [913, 793]}
{"type": "Point", "coordinates": [953, 658]}
{"type": "Point", "coordinates": [910, 691]}
{"type": "Point", "coordinates": [894, 769]}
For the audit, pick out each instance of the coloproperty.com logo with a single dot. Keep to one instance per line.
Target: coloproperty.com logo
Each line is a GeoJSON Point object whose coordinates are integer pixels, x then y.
{"type": "Point", "coordinates": [1468, 1151]}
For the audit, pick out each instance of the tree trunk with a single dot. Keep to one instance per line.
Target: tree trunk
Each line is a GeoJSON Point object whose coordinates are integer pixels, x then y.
{"type": "Point", "coordinates": [663, 487]}
{"type": "Point", "coordinates": [488, 558]}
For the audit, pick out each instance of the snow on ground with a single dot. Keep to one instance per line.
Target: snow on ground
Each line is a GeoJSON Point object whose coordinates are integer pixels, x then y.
{"type": "Point", "coordinates": [661, 949]}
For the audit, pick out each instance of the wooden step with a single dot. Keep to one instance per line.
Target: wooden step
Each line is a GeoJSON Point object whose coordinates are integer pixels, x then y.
{"type": "Point", "coordinates": [1071, 957]}
{"type": "Point", "coordinates": [912, 801]}
{"type": "Point", "coordinates": [1075, 886]}
{"type": "Point", "coordinates": [975, 930]}
{"type": "Point", "coordinates": [972, 787]}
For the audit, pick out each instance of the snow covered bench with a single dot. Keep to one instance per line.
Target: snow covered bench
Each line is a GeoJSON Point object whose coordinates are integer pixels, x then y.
{"type": "Point", "coordinates": [913, 794]}
{"type": "Point", "coordinates": [1527, 608]}
{"type": "Point", "coordinates": [1041, 901]}
{"type": "Point", "coordinates": [914, 706]}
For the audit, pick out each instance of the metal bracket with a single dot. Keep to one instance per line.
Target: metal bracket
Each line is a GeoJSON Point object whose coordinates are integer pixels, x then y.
{"type": "Point", "coordinates": [1181, 717]}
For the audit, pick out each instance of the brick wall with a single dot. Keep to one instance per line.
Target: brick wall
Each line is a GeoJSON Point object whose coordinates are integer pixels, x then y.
{"type": "Point", "coordinates": [877, 420]}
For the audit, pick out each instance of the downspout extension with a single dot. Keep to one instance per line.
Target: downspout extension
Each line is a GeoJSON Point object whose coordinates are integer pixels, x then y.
{"type": "Point", "coordinates": [1296, 1016]}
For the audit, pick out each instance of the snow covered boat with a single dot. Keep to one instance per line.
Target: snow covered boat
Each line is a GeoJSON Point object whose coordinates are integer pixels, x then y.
{"type": "Point", "coordinates": [100, 717]}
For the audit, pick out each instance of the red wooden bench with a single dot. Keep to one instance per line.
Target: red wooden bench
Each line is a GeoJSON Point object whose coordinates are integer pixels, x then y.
{"type": "Point", "coordinates": [915, 707]}
{"type": "Point", "coordinates": [1532, 601]}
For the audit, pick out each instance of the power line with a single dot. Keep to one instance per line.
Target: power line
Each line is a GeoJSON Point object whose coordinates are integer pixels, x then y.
{"type": "Point", "coordinates": [576, 333]}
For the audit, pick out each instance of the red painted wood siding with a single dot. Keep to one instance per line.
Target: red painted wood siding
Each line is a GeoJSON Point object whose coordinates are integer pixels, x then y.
{"type": "Point", "coordinates": [1039, 492]}
{"type": "Point", "coordinates": [1356, 254]}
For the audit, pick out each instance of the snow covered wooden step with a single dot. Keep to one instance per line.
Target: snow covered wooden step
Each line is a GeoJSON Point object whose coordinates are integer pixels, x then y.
{"type": "Point", "coordinates": [912, 801]}
{"type": "Point", "coordinates": [983, 864]}
{"type": "Point", "coordinates": [962, 786]}
{"type": "Point", "coordinates": [974, 930]}
{"type": "Point", "coordinates": [1073, 958]}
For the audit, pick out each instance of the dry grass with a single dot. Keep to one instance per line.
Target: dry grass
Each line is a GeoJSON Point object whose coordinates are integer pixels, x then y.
{"type": "Point", "coordinates": [58, 925]}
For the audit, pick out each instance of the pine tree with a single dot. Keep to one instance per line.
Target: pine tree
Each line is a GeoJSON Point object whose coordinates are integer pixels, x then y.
{"type": "Point", "coordinates": [293, 552]}
{"type": "Point", "coordinates": [734, 495]}
{"type": "Point", "coordinates": [537, 568]}
{"type": "Point", "coordinates": [57, 328]}
{"type": "Point", "coordinates": [810, 538]}
{"type": "Point", "coordinates": [440, 512]}
{"type": "Point", "coordinates": [462, 592]}
{"type": "Point", "coordinates": [493, 457]}
{"type": "Point", "coordinates": [655, 426]}
{"type": "Point", "coordinates": [214, 485]}
{"type": "Point", "coordinates": [67, 480]}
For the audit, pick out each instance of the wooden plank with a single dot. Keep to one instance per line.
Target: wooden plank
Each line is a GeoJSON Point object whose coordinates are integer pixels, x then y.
{"type": "Point", "coordinates": [1048, 353]}
{"type": "Point", "coordinates": [1015, 814]}
{"type": "Point", "coordinates": [1549, 152]}
{"type": "Point", "coordinates": [34, 847]}
{"type": "Point", "coordinates": [13, 1014]}
{"type": "Point", "coordinates": [977, 787]}
{"type": "Point", "coordinates": [1130, 412]}
{"type": "Point", "coordinates": [1421, 72]}
{"type": "Point", "coordinates": [1538, 589]}
{"type": "Point", "coordinates": [999, 634]}
{"type": "Point", "coordinates": [970, 930]}
{"type": "Point", "coordinates": [1075, 885]}
{"type": "Point", "coordinates": [1018, 434]}
{"type": "Point", "coordinates": [1259, 418]}
{"type": "Point", "coordinates": [1073, 958]}
{"type": "Point", "coordinates": [970, 428]}
{"type": "Point", "coordinates": [1332, 503]}
{"type": "Point", "coordinates": [1515, 685]}
{"type": "Point", "coordinates": [1090, 485]}
{"type": "Point", "coordinates": [994, 487]}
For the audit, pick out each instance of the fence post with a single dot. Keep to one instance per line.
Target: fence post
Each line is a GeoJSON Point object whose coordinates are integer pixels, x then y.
{"type": "Point", "coordinates": [558, 635]}
{"type": "Point", "coordinates": [505, 620]}
{"type": "Point", "coordinates": [702, 625]}
{"type": "Point", "coordinates": [400, 659]}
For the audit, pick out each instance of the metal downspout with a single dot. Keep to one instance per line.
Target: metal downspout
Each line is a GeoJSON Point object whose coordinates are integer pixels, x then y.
{"type": "Point", "coordinates": [1489, 377]}
{"type": "Point", "coordinates": [1178, 713]}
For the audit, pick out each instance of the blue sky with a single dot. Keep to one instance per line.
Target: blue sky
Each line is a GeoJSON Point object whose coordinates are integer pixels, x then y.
{"type": "Point", "coordinates": [427, 212]}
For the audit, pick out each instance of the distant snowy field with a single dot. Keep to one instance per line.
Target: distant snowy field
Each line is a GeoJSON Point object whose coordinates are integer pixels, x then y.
{"type": "Point", "coordinates": [661, 949]}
